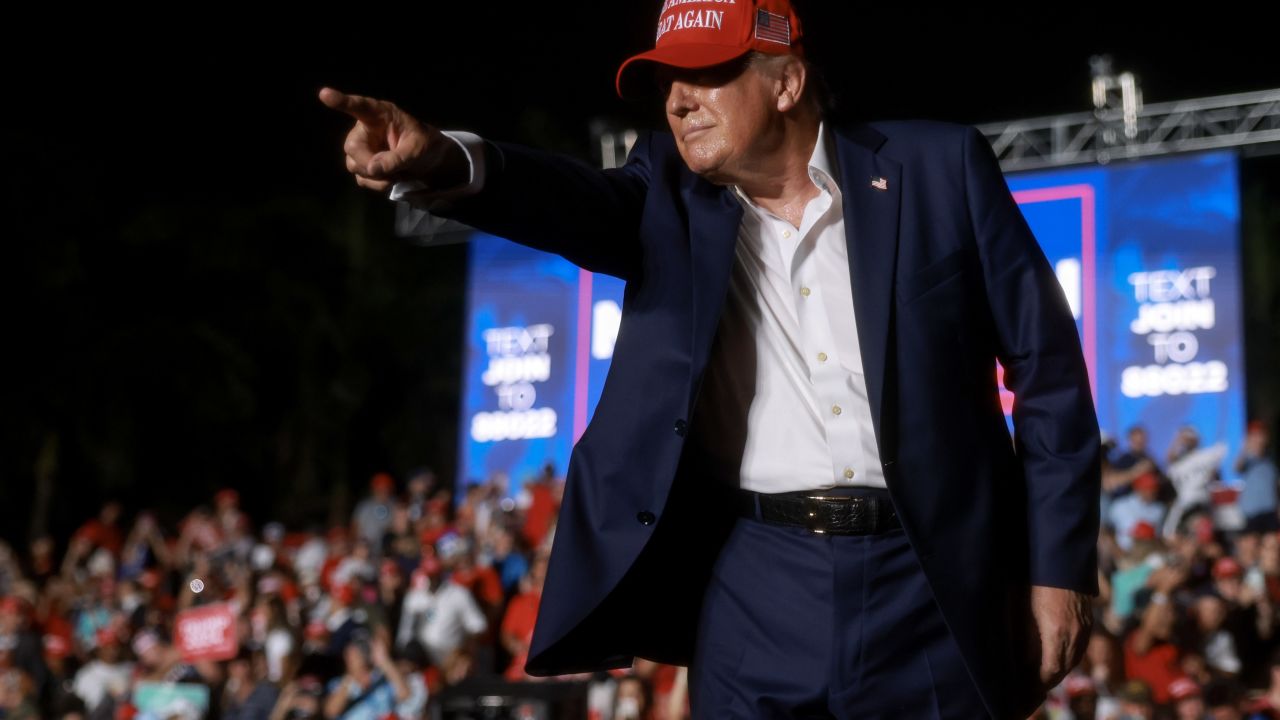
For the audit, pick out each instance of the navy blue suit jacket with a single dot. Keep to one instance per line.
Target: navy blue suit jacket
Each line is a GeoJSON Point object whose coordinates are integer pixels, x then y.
{"type": "Point", "coordinates": [947, 277]}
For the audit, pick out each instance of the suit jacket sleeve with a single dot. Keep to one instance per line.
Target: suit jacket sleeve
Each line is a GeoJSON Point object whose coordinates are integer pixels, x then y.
{"type": "Point", "coordinates": [1056, 431]}
{"type": "Point", "coordinates": [561, 205]}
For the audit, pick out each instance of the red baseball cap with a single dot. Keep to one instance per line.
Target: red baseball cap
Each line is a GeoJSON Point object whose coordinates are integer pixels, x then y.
{"type": "Point", "coordinates": [1143, 530]}
{"type": "Point", "coordinates": [1227, 567]}
{"type": "Point", "coordinates": [705, 33]}
{"type": "Point", "coordinates": [430, 565]}
{"type": "Point", "coordinates": [1146, 481]}
{"type": "Point", "coordinates": [344, 594]}
{"type": "Point", "coordinates": [15, 605]}
{"type": "Point", "coordinates": [149, 579]}
{"type": "Point", "coordinates": [1183, 688]}
{"type": "Point", "coordinates": [1204, 528]}
{"type": "Point", "coordinates": [107, 635]}
{"type": "Point", "coordinates": [56, 646]}
{"type": "Point", "coordinates": [1078, 684]}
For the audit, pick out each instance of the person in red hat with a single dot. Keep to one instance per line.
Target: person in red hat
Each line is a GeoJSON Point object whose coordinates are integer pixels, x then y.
{"type": "Point", "coordinates": [1188, 703]}
{"type": "Point", "coordinates": [1246, 639]}
{"type": "Point", "coordinates": [1081, 696]}
{"type": "Point", "coordinates": [1141, 506]}
{"type": "Point", "coordinates": [108, 675]}
{"type": "Point", "coordinates": [444, 616]}
{"type": "Point", "coordinates": [232, 522]}
{"type": "Point", "coordinates": [798, 480]}
{"type": "Point", "coordinates": [372, 516]}
{"type": "Point", "coordinates": [104, 531]}
{"type": "Point", "coordinates": [24, 644]}
{"type": "Point", "coordinates": [1228, 581]}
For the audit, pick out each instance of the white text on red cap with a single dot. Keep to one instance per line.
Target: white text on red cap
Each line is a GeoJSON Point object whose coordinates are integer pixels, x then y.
{"type": "Point", "coordinates": [689, 19]}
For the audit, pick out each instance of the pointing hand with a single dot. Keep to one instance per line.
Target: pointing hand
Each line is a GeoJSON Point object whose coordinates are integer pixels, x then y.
{"type": "Point", "coordinates": [388, 145]}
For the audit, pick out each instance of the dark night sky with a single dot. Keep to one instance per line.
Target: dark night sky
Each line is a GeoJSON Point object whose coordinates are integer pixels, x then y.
{"type": "Point", "coordinates": [225, 106]}
{"type": "Point", "coordinates": [134, 156]}
{"type": "Point", "coordinates": [228, 104]}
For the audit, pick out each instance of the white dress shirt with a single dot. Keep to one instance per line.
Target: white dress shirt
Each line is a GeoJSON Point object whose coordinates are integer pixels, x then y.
{"type": "Point", "coordinates": [786, 365]}
{"type": "Point", "coordinates": [442, 618]}
{"type": "Point", "coordinates": [786, 368]}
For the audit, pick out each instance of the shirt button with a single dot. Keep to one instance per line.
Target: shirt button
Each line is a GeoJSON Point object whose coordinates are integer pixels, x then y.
{"type": "Point", "coordinates": [848, 472]}
{"type": "Point", "coordinates": [804, 291]}
{"type": "Point", "coordinates": [681, 427]}
{"type": "Point", "coordinates": [786, 233]}
{"type": "Point", "coordinates": [835, 409]}
{"type": "Point", "coordinates": [645, 517]}
{"type": "Point", "coordinates": [822, 357]}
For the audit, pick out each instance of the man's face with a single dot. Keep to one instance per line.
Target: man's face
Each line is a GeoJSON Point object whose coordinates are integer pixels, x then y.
{"type": "Point", "coordinates": [1210, 612]}
{"type": "Point", "coordinates": [1256, 441]}
{"type": "Point", "coordinates": [1158, 619]}
{"type": "Point", "coordinates": [1138, 440]}
{"type": "Point", "coordinates": [1190, 438]}
{"type": "Point", "coordinates": [1229, 586]}
{"type": "Point", "coordinates": [1191, 708]}
{"type": "Point", "coordinates": [720, 116]}
{"type": "Point", "coordinates": [355, 658]}
{"type": "Point", "coordinates": [1147, 488]}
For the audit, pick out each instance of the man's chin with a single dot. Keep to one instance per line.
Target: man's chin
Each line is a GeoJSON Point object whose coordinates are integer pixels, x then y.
{"type": "Point", "coordinates": [704, 165]}
{"type": "Point", "coordinates": [712, 173]}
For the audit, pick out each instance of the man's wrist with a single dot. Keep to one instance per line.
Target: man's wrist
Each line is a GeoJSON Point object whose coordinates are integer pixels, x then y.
{"type": "Point", "coordinates": [472, 147]}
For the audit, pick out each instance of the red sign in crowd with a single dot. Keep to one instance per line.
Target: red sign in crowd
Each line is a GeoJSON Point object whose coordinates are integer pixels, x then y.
{"type": "Point", "coordinates": [207, 632]}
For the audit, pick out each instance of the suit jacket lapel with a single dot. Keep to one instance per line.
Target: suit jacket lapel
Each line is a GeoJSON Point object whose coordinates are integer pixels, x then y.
{"type": "Point", "coordinates": [714, 218]}
{"type": "Point", "coordinates": [871, 232]}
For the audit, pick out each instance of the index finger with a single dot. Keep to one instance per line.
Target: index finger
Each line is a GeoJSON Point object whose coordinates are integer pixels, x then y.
{"type": "Point", "coordinates": [357, 106]}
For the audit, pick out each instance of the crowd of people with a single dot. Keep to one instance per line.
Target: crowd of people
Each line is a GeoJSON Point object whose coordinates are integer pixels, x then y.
{"type": "Point", "coordinates": [369, 619]}
{"type": "Point", "coordinates": [422, 591]}
{"type": "Point", "coordinates": [1189, 562]}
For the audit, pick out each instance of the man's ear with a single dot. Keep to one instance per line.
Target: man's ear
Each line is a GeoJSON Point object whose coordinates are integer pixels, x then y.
{"type": "Point", "coordinates": [792, 84]}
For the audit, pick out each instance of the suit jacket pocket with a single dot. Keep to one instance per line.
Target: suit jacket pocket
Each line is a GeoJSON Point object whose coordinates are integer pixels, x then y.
{"type": "Point", "coordinates": [932, 275]}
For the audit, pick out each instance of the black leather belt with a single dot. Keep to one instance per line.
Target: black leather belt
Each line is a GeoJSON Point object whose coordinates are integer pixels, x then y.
{"type": "Point", "coordinates": [833, 514]}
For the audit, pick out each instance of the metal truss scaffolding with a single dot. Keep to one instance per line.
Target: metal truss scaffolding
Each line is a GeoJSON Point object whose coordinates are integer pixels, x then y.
{"type": "Point", "coordinates": [1123, 132]}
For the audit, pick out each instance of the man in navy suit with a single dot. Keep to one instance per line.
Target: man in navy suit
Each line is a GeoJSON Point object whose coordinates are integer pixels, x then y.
{"type": "Point", "coordinates": [798, 480]}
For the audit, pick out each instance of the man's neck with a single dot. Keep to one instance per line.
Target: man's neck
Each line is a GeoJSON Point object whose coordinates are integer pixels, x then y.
{"type": "Point", "coordinates": [781, 182]}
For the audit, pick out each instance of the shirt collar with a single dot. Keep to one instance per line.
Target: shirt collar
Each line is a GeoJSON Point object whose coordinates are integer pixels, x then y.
{"type": "Point", "coordinates": [821, 170]}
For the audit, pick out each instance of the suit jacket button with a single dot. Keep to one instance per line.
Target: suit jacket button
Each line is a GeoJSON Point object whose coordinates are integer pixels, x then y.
{"type": "Point", "coordinates": [682, 427]}
{"type": "Point", "coordinates": [645, 517]}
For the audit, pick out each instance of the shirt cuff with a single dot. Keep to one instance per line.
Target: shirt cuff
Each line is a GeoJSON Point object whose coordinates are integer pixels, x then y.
{"type": "Point", "coordinates": [473, 147]}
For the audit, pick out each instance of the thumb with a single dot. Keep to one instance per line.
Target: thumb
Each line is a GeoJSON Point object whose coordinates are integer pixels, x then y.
{"type": "Point", "coordinates": [385, 164]}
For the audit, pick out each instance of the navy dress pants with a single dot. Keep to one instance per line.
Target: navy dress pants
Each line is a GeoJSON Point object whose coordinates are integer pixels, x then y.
{"type": "Point", "coordinates": [796, 624]}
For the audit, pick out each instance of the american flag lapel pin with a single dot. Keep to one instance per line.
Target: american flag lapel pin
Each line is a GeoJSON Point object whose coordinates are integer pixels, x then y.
{"type": "Point", "coordinates": [880, 183]}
